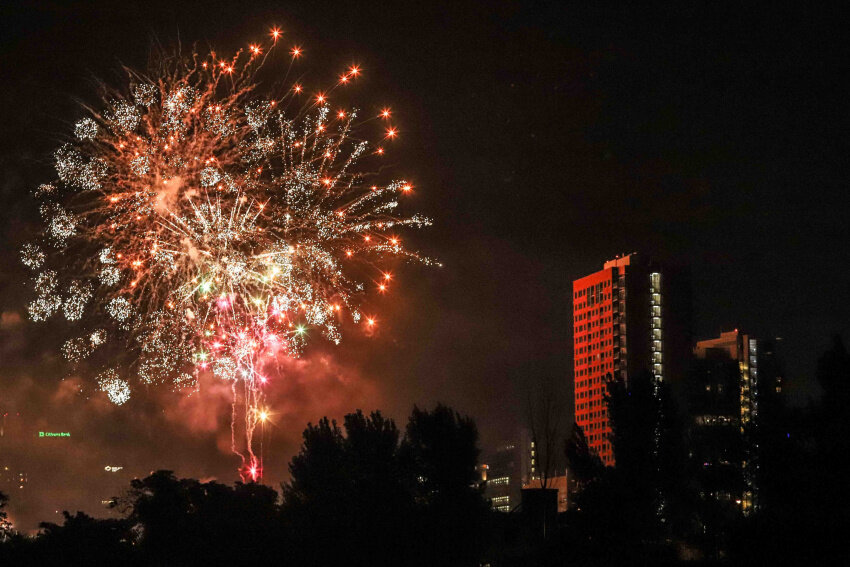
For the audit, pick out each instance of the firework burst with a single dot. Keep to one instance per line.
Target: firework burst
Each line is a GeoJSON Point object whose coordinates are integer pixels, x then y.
{"type": "Point", "coordinates": [200, 223]}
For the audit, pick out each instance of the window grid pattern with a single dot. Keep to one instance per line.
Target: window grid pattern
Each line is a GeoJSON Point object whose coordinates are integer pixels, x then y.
{"type": "Point", "coordinates": [595, 298]}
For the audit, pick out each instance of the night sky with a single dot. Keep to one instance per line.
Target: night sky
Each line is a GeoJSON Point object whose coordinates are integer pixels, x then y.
{"type": "Point", "coordinates": [543, 138]}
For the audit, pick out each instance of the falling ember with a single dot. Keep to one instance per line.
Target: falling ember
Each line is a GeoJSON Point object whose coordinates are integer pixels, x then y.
{"type": "Point", "coordinates": [201, 227]}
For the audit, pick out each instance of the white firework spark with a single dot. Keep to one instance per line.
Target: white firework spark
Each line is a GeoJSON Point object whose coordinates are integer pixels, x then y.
{"type": "Point", "coordinates": [210, 227]}
{"type": "Point", "coordinates": [116, 388]}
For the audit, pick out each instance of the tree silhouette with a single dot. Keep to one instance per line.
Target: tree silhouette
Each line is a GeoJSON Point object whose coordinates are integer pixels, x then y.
{"type": "Point", "coordinates": [5, 526]}
{"type": "Point", "coordinates": [83, 540]}
{"type": "Point", "coordinates": [804, 516]}
{"type": "Point", "coordinates": [545, 411]}
{"type": "Point", "coordinates": [184, 521]}
{"type": "Point", "coordinates": [440, 449]}
{"type": "Point", "coordinates": [386, 501]}
{"type": "Point", "coordinates": [358, 495]}
{"type": "Point", "coordinates": [352, 486]}
{"type": "Point", "coordinates": [625, 512]}
{"type": "Point", "coordinates": [318, 472]}
{"type": "Point", "coordinates": [584, 464]}
{"type": "Point", "coordinates": [828, 491]}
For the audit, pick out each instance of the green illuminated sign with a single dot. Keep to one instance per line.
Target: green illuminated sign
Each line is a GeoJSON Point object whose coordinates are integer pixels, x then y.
{"type": "Point", "coordinates": [54, 434]}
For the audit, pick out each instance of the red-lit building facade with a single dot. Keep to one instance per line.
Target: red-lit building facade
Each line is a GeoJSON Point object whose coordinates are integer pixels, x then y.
{"type": "Point", "coordinates": [593, 355]}
{"type": "Point", "coordinates": [631, 316]}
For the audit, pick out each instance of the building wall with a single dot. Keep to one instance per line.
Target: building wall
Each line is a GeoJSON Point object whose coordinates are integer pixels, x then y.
{"type": "Point", "coordinates": [594, 355]}
{"type": "Point", "coordinates": [558, 482]}
{"type": "Point", "coordinates": [716, 444]}
{"type": "Point", "coordinates": [731, 374]}
{"type": "Point", "coordinates": [631, 316]}
{"type": "Point", "coordinates": [504, 471]}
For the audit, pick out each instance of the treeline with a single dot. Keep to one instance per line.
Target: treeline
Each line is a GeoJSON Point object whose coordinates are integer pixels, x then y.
{"type": "Point", "coordinates": [655, 508]}
{"type": "Point", "coordinates": [366, 493]}
{"type": "Point", "coordinates": [359, 494]}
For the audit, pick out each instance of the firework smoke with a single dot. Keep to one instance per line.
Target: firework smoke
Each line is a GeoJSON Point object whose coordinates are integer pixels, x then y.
{"type": "Point", "coordinates": [198, 225]}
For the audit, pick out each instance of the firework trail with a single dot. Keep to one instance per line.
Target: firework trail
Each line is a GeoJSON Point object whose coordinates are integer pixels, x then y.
{"type": "Point", "coordinates": [198, 225]}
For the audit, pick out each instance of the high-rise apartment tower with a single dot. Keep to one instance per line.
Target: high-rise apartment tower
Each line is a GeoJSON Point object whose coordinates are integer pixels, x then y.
{"type": "Point", "coordinates": [631, 316]}
{"type": "Point", "coordinates": [731, 375]}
